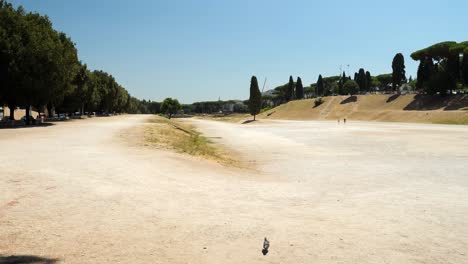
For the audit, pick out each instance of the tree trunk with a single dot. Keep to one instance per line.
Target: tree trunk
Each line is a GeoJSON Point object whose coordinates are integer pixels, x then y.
{"type": "Point", "coordinates": [12, 111]}
{"type": "Point", "coordinates": [50, 112]}
{"type": "Point", "coordinates": [254, 117]}
{"type": "Point", "coordinates": [82, 109]}
{"type": "Point", "coordinates": [28, 117]}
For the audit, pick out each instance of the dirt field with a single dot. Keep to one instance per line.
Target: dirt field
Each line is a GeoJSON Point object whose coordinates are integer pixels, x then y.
{"type": "Point", "coordinates": [86, 192]}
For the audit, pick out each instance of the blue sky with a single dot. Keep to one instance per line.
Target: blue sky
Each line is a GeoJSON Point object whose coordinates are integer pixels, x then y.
{"type": "Point", "coordinates": [198, 50]}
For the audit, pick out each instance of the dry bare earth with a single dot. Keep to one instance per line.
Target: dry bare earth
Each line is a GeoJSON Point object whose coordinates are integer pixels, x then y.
{"type": "Point", "coordinates": [322, 193]}
{"type": "Point", "coordinates": [394, 108]}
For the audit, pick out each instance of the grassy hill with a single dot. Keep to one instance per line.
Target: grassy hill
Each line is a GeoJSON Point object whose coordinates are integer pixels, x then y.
{"type": "Point", "coordinates": [395, 108]}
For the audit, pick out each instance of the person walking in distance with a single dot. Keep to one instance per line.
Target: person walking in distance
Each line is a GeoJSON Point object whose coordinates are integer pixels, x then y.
{"type": "Point", "coordinates": [344, 121]}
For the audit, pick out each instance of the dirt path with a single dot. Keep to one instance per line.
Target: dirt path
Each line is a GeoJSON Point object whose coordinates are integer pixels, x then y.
{"type": "Point", "coordinates": [364, 193]}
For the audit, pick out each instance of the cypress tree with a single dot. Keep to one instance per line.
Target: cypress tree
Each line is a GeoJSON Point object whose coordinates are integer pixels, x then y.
{"type": "Point", "coordinates": [255, 100]}
{"type": "Point", "coordinates": [320, 87]}
{"type": "Point", "coordinates": [290, 89]}
{"type": "Point", "coordinates": [343, 79]}
{"type": "Point", "coordinates": [465, 68]}
{"type": "Point", "coordinates": [368, 81]}
{"type": "Point", "coordinates": [398, 74]}
{"type": "Point", "coordinates": [361, 80]}
{"type": "Point", "coordinates": [299, 89]}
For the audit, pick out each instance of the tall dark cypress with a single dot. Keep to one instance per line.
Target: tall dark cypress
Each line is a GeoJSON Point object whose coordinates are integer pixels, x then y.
{"type": "Point", "coordinates": [398, 74]}
{"type": "Point", "coordinates": [299, 89]}
{"type": "Point", "coordinates": [368, 81]}
{"type": "Point", "coordinates": [255, 100]}
{"type": "Point", "coordinates": [290, 89]}
{"type": "Point", "coordinates": [320, 86]}
{"type": "Point", "coordinates": [361, 80]}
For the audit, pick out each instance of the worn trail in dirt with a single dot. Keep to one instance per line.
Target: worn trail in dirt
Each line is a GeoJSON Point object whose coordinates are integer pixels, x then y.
{"type": "Point", "coordinates": [320, 192]}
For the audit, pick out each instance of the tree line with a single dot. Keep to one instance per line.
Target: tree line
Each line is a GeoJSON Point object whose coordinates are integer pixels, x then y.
{"type": "Point", "coordinates": [40, 69]}
{"type": "Point", "coordinates": [362, 82]}
{"type": "Point", "coordinates": [443, 67]}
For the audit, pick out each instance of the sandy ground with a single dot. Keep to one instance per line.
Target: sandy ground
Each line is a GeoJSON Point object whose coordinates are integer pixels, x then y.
{"type": "Point", "coordinates": [321, 192]}
{"type": "Point", "coordinates": [377, 107]}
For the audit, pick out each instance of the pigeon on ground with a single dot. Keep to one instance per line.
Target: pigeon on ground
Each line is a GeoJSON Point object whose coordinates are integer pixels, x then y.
{"type": "Point", "coordinates": [266, 245]}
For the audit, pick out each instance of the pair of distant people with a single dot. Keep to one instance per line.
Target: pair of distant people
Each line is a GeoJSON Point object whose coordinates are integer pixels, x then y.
{"type": "Point", "coordinates": [344, 121]}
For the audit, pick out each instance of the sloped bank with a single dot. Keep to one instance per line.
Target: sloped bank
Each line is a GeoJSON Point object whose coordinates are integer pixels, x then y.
{"type": "Point", "coordinates": [392, 108]}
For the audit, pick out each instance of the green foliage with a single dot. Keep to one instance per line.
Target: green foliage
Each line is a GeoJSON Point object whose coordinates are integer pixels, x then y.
{"type": "Point", "coordinates": [280, 94]}
{"type": "Point", "coordinates": [449, 68]}
{"type": "Point", "coordinates": [437, 51]}
{"type": "Point", "coordinates": [399, 73]}
{"type": "Point", "coordinates": [170, 106]}
{"type": "Point", "coordinates": [368, 81]}
{"type": "Point", "coordinates": [385, 80]}
{"type": "Point", "coordinates": [320, 86]}
{"type": "Point", "coordinates": [362, 80]}
{"type": "Point", "coordinates": [39, 66]}
{"type": "Point", "coordinates": [350, 87]}
{"type": "Point", "coordinates": [425, 70]}
{"type": "Point", "coordinates": [299, 89]}
{"type": "Point", "coordinates": [255, 100]}
{"type": "Point", "coordinates": [441, 81]}
{"type": "Point", "coordinates": [464, 71]}
{"type": "Point", "coordinates": [290, 89]}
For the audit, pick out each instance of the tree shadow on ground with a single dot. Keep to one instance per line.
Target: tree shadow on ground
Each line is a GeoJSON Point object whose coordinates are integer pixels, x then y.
{"type": "Point", "coordinates": [437, 102]}
{"type": "Point", "coordinates": [249, 121]}
{"type": "Point", "coordinates": [18, 126]}
{"type": "Point", "coordinates": [392, 98]}
{"type": "Point", "coordinates": [351, 99]}
{"type": "Point", "coordinates": [26, 260]}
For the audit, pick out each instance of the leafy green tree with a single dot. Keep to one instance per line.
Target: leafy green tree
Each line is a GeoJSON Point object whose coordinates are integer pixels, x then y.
{"type": "Point", "coordinates": [299, 89]}
{"type": "Point", "coordinates": [385, 80]}
{"type": "Point", "coordinates": [375, 83]}
{"type": "Point", "coordinates": [82, 80]}
{"type": "Point", "coordinates": [350, 87]}
{"type": "Point", "coordinates": [10, 45]}
{"type": "Point", "coordinates": [425, 71]}
{"type": "Point", "coordinates": [255, 100]}
{"type": "Point", "coordinates": [170, 106]}
{"type": "Point", "coordinates": [399, 73]}
{"type": "Point", "coordinates": [320, 86]}
{"type": "Point", "coordinates": [280, 94]}
{"type": "Point", "coordinates": [441, 80]}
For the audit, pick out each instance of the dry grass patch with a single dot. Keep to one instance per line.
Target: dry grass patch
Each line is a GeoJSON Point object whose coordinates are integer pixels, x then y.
{"type": "Point", "coordinates": [183, 138]}
{"type": "Point", "coordinates": [231, 118]}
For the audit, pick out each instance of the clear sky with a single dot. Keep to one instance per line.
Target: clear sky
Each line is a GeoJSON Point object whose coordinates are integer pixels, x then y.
{"type": "Point", "coordinates": [198, 50]}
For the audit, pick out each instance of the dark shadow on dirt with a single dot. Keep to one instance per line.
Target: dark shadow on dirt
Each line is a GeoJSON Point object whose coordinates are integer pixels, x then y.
{"type": "Point", "coordinates": [437, 102]}
{"type": "Point", "coordinates": [16, 125]}
{"type": "Point", "coordinates": [392, 98]}
{"type": "Point", "coordinates": [26, 260]}
{"type": "Point", "coordinates": [351, 99]}
{"type": "Point", "coordinates": [249, 121]}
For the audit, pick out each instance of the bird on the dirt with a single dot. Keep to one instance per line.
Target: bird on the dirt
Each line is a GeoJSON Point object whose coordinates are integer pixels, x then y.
{"type": "Point", "coordinates": [266, 245]}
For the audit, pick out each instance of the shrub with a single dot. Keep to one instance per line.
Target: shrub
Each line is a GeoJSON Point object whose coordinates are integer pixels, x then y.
{"type": "Point", "coordinates": [318, 101]}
